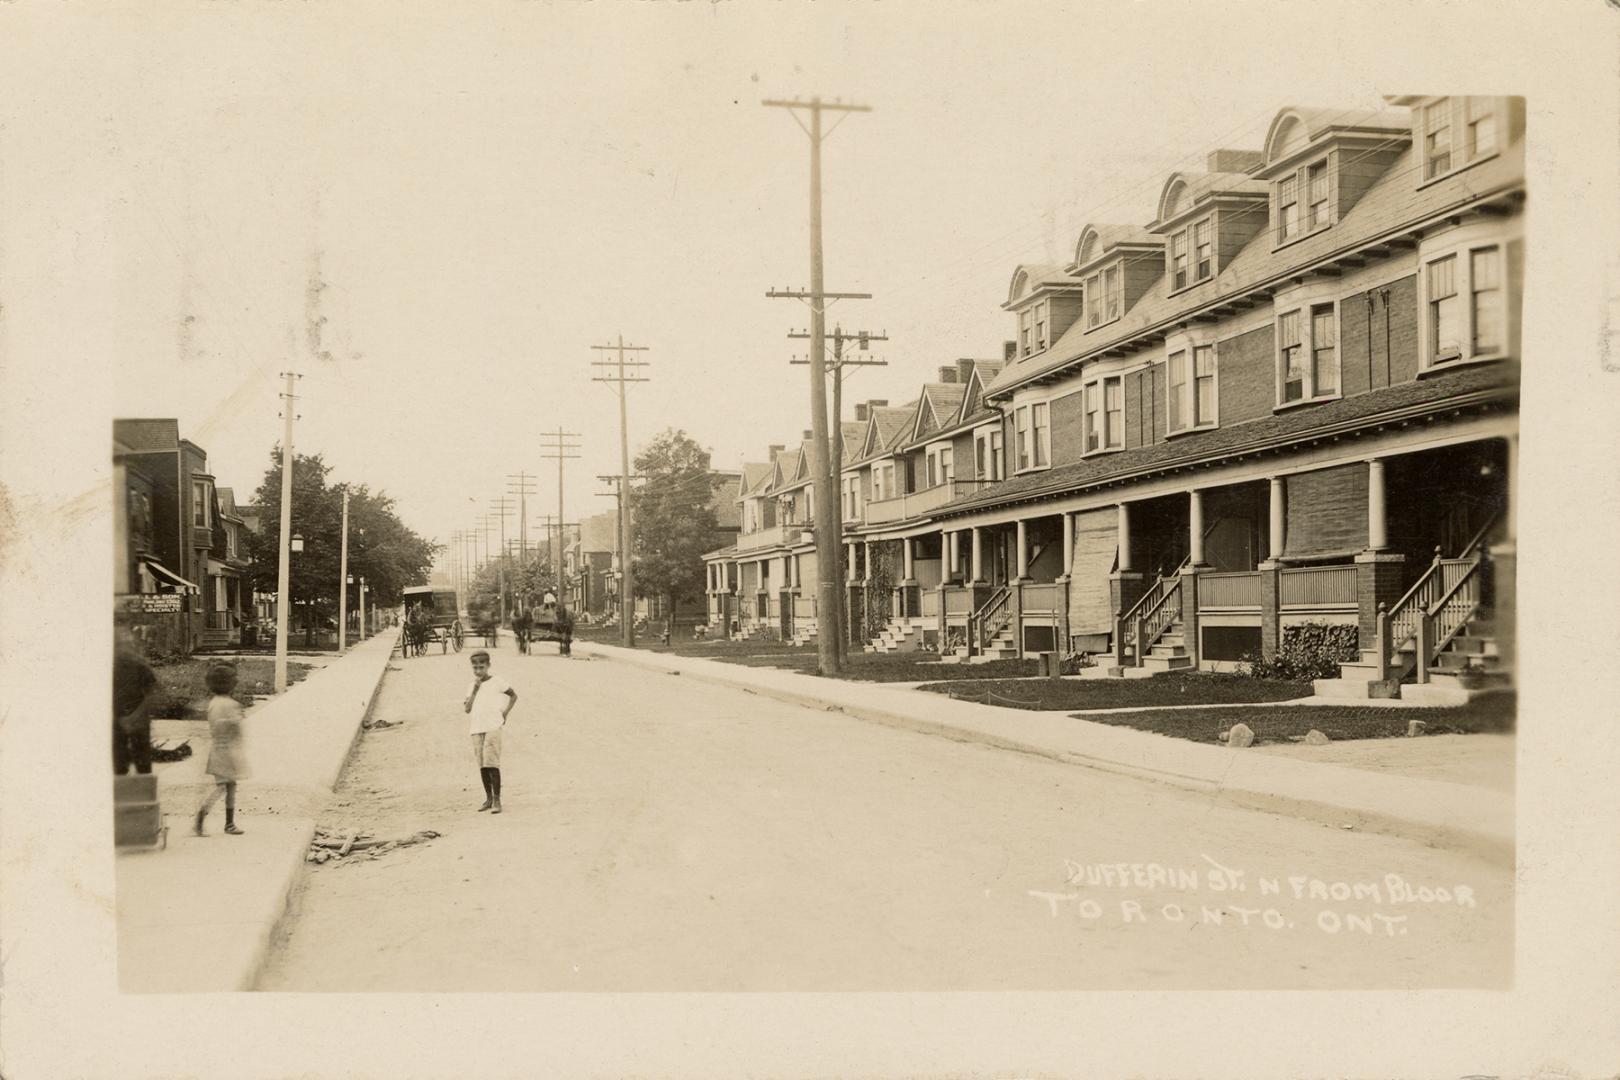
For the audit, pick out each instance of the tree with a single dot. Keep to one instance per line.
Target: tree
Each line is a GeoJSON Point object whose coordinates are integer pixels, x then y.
{"type": "Point", "coordinates": [382, 549]}
{"type": "Point", "coordinates": [672, 519]}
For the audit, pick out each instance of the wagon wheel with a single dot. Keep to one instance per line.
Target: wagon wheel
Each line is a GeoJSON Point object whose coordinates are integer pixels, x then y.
{"type": "Point", "coordinates": [455, 634]}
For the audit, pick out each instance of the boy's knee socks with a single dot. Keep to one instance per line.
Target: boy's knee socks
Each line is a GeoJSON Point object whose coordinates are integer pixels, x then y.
{"type": "Point", "coordinates": [495, 783]}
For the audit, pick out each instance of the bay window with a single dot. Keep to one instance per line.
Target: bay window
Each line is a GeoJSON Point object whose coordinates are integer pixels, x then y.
{"type": "Point", "coordinates": [1308, 354]}
{"type": "Point", "coordinates": [1191, 381]}
{"type": "Point", "coordinates": [1032, 432]}
{"type": "Point", "coordinates": [1464, 302]}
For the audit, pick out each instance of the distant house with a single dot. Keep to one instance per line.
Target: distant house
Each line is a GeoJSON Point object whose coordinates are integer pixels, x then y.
{"type": "Point", "coordinates": [178, 577]}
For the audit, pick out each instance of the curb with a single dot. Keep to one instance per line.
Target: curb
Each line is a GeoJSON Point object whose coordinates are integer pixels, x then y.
{"type": "Point", "coordinates": [1457, 830]}
{"type": "Point", "coordinates": [267, 934]}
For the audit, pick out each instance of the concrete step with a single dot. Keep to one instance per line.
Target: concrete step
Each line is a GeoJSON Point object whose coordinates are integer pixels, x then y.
{"type": "Point", "coordinates": [1163, 649]}
{"type": "Point", "coordinates": [1157, 663]}
{"type": "Point", "coordinates": [1470, 680]}
{"type": "Point", "coordinates": [1356, 689]}
{"type": "Point", "coordinates": [1468, 644]}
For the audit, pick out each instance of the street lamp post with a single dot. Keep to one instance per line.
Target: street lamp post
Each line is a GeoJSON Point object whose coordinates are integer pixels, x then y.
{"type": "Point", "coordinates": [362, 606]}
{"type": "Point", "coordinates": [343, 581]}
{"type": "Point", "coordinates": [296, 547]}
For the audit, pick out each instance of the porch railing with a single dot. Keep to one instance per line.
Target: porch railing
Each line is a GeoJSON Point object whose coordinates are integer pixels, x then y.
{"type": "Point", "coordinates": [1229, 590]}
{"type": "Point", "coordinates": [1041, 599]}
{"type": "Point", "coordinates": [804, 607]}
{"type": "Point", "coordinates": [991, 618]}
{"type": "Point", "coordinates": [930, 603]}
{"type": "Point", "coordinates": [1318, 586]}
{"type": "Point", "coordinates": [1126, 624]}
{"type": "Point", "coordinates": [1436, 607]}
{"type": "Point", "coordinates": [958, 602]}
{"type": "Point", "coordinates": [1157, 619]}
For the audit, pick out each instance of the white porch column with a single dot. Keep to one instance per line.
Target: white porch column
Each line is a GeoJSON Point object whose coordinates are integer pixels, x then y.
{"type": "Point", "coordinates": [953, 556]}
{"type": "Point", "coordinates": [1068, 543]}
{"type": "Point", "coordinates": [795, 560]}
{"type": "Point", "coordinates": [849, 562]}
{"type": "Point", "coordinates": [1377, 527]}
{"type": "Point", "coordinates": [978, 553]}
{"type": "Point", "coordinates": [1278, 513]}
{"type": "Point", "coordinates": [1023, 551]}
{"type": "Point", "coordinates": [866, 553]}
{"type": "Point", "coordinates": [1195, 526]}
{"type": "Point", "coordinates": [906, 556]}
{"type": "Point", "coordinates": [1510, 531]}
{"type": "Point", "coordinates": [1124, 537]}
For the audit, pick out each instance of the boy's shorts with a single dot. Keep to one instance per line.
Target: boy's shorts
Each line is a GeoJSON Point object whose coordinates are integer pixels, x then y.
{"type": "Point", "coordinates": [487, 749]}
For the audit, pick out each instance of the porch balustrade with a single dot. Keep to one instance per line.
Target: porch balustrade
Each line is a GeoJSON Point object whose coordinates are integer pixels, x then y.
{"type": "Point", "coordinates": [1229, 590]}
{"type": "Point", "coordinates": [804, 607]}
{"type": "Point", "coordinates": [912, 504]}
{"type": "Point", "coordinates": [769, 536]}
{"type": "Point", "coordinates": [1318, 587]}
{"type": "Point", "coordinates": [930, 603]}
{"type": "Point", "coordinates": [1041, 599]}
{"type": "Point", "coordinates": [958, 602]}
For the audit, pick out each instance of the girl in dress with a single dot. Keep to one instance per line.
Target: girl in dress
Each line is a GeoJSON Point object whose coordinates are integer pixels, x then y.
{"type": "Point", "coordinates": [225, 755]}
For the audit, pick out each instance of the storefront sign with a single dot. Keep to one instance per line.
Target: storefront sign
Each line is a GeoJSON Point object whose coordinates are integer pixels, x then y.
{"type": "Point", "coordinates": [160, 602]}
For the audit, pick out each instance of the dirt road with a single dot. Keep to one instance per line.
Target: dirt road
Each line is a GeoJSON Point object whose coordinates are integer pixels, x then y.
{"type": "Point", "coordinates": [665, 835]}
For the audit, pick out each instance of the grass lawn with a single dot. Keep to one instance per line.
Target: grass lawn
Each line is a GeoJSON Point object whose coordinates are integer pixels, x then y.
{"type": "Point", "coordinates": [1171, 688]}
{"type": "Point", "coordinates": [1494, 713]}
{"type": "Point", "coordinates": [180, 684]}
{"type": "Point", "coordinates": [893, 667]}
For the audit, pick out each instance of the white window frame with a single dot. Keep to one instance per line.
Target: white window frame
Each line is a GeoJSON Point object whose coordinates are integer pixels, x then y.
{"type": "Point", "coordinates": [200, 500]}
{"type": "Point", "coordinates": [1187, 237]}
{"type": "Point", "coordinates": [1184, 354]}
{"type": "Point", "coordinates": [852, 497]}
{"type": "Point", "coordinates": [1024, 342]}
{"type": "Point", "coordinates": [1301, 177]}
{"type": "Point", "coordinates": [940, 467]}
{"type": "Point", "coordinates": [988, 463]}
{"type": "Point", "coordinates": [1104, 305]}
{"type": "Point", "coordinates": [1032, 427]}
{"type": "Point", "coordinates": [1468, 353]}
{"type": "Point", "coordinates": [1043, 325]}
{"type": "Point", "coordinates": [1111, 438]}
{"type": "Point", "coordinates": [1306, 310]}
{"type": "Point", "coordinates": [1461, 117]}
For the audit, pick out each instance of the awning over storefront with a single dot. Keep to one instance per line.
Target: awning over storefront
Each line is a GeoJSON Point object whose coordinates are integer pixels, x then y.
{"type": "Point", "coordinates": [168, 577]}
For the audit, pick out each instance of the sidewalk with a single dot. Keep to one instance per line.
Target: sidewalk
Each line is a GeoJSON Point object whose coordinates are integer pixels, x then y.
{"type": "Point", "coordinates": [1456, 816]}
{"type": "Point", "coordinates": [198, 915]}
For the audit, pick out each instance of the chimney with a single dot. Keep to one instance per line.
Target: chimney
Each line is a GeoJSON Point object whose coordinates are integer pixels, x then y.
{"type": "Point", "coordinates": [1234, 161]}
{"type": "Point", "coordinates": [878, 403]}
{"type": "Point", "coordinates": [860, 412]}
{"type": "Point", "coordinates": [947, 373]}
{"type": "Point", "coordinates": [774, 451]}
{"type": "Point", "coordinates": [964, 369]}
{"type": "Point", "coordinates": [1009, 351]}
{"type": "Point", "coordinates": [808, 434]}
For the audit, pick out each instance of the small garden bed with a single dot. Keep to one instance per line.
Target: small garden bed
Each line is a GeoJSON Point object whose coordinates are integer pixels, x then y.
{"type": "Point", "coordinates": [181, 686]}
{"type": "Point", "coordinates": [1490, 713]}
{"type": "Point", "coordinates": [1171, 688]}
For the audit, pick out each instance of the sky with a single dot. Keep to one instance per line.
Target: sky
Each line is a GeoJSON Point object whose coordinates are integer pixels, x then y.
{"type": "Point", "coordinates": [482, 200]}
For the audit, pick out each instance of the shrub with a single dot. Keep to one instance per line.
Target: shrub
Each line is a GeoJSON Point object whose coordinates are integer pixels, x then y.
{"type": "Point", "coordinates": [1308, 651]}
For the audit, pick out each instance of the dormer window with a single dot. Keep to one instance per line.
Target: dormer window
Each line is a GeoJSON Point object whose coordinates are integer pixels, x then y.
{"type": "Point", "coordinates": [1042, 320]}
{"type": "Point", "coordinates": [1025, 347]}
{"type": "Point", "coordinates": [1287, 208]}
{"type": "Point", "coordinates": [1192, 257]}
{"type": "Point", "coordinates": [1437, 138]}
{"type": "Point", "coordinates": [1104, 297]}
{"type": "Point", "coordinates": [1455, 132]}
{"type": "Point", "coordinates": [1316, 182]}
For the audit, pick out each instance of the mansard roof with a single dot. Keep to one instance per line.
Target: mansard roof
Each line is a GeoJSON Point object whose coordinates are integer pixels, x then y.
{"type": "Point", "coordinates": [1186, 191]}
{"type": "Point", "coordinates": [1097, 241]}
{"type": "Point", "coordinates": [1029, 277]}
{"type": "Point", "coordinates": [1295, 128]}
{"type": "Point", "coordinates": [1389, 211]}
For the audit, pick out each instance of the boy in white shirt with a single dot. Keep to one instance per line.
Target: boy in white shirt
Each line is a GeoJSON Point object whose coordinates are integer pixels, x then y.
{"type": "Point", "coordinates": [489, 699]}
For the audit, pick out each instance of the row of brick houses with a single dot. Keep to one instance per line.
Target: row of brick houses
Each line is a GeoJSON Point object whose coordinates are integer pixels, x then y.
{"type": "Point", "coordinates": [180, 572]}
{"type": "Point", "coordinates": [1290, 398]}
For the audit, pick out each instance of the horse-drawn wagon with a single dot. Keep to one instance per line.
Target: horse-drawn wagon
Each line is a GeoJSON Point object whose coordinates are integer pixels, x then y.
{"type": "Point", "coordinates": [430, 617]}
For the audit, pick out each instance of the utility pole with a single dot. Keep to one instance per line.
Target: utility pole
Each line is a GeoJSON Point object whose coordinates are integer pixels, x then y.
{"type": "Point", "coordinates": [863, 338]}
{"type": "Point", "coordinates": [558, 449]}
{"type": "Point", "coordinates": [343, 580]}
{"type": "Point", "coordinates": [828, 570]}
{"type": "Point", "coordinates": [503, 507]}
{"type": "Point", "coordinates": [525, 488]}
{"type": "Point", "coordinates": [627, 593]}
{"type": "Point", "coordinates": [283, 582]}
